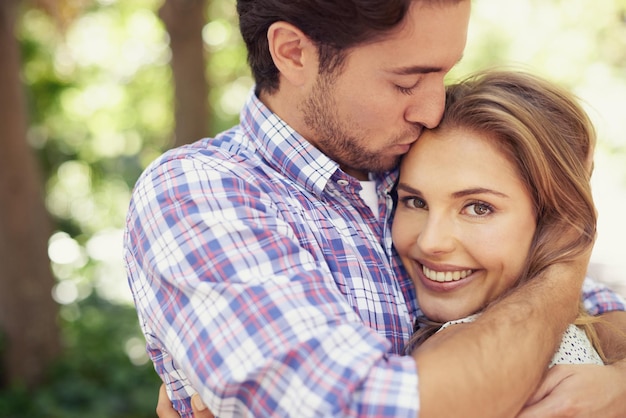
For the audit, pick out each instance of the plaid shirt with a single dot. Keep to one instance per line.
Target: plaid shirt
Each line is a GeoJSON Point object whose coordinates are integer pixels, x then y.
{"type": "Point", "coordinates": [263, 280]}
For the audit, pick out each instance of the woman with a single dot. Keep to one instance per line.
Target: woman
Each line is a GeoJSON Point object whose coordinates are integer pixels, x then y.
{"type": "Point", "coordinates": [484, 197]}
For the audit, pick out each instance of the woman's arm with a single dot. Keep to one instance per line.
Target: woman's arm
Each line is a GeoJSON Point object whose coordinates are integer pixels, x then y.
{"type": "Point", "coordinates": [164, 408]}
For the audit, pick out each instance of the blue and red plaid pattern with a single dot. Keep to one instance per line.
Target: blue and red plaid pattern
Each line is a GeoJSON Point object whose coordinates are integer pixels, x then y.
{"type": "Point", "coordinates": [262, 279]}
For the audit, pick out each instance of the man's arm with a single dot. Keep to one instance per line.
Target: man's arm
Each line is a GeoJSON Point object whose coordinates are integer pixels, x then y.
{"type": "Point", "coordinates": [587, 390]}
{"type": "Point", "coordinates": [598, 299]}
{"type": "Point", "coordinates": [489, 368]}
{"type": "Point", "coordinates": [567, 390]}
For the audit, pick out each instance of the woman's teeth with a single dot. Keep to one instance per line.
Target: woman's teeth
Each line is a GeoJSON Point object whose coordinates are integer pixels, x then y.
{"type": "Point", "coordinates": [445, 276]}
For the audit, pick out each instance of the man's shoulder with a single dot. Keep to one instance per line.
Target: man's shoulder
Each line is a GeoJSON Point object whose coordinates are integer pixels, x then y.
{"type": "Point", "coordinates": [229, 160]}
{"type": "Point", "coordinates": [211, 152]}
{"type": "Point", "coordinates": [224, 145]}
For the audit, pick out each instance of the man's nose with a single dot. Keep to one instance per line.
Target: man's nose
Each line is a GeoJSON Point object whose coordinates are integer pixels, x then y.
{"type": "Point", "coordinates": [427, 108]}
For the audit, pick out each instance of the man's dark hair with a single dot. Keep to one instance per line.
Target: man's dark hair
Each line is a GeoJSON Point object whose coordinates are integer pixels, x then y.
{"type": "Point", "coordinates": [333, 25]}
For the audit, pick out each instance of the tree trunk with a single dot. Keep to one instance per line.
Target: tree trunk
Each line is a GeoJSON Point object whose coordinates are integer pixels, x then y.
{"type": "Point", "coordinates": [28, 314]}
{"type": "Point", "coordinates": [184, 20]}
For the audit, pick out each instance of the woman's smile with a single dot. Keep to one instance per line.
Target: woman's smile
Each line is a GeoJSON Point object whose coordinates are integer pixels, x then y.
{"type": "Point", "coordinates": [443, 279]}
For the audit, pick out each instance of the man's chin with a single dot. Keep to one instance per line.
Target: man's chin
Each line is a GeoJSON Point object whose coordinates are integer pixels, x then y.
{"type": "Point", "coordinates": [384, 167]}
{"type": "Point", "coordinates": [373, 164]}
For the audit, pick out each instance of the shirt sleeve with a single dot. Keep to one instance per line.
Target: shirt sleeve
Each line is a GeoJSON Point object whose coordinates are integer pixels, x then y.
{"type": "Point", "coordinates": [599, 299]}
{"type": "Point", "coordinates": [233, 305]}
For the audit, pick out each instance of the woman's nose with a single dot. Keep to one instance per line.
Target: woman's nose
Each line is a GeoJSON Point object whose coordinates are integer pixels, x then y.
{"type": "Point", "coordinates": [436, 235]}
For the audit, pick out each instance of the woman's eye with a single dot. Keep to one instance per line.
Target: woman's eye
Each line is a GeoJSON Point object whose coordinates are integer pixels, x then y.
{"type": "Point", "coordinates": [413, 203]}
{"type": "Point", "coordinates": [479, 209]}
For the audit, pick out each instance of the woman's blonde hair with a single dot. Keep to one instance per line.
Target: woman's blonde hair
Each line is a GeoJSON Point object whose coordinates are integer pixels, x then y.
{"type": "Point", "coordinates": [545, 133]}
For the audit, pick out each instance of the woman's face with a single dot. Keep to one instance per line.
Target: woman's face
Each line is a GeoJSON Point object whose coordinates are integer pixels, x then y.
{"type": "Point", "coordinates": [464, 222]}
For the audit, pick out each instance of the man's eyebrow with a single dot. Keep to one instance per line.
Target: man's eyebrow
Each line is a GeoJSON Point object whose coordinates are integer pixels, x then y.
{"type": "Point", "coordinates": [419, 69]}
{"type": "Point", "coordinates": [415, 69]}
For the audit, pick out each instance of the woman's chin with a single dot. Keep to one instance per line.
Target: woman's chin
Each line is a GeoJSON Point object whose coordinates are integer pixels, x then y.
{"type": "Point", "coordinates": [443, 316]}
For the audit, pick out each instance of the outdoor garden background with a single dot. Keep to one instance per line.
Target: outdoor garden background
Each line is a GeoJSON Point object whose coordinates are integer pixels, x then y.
{"type": "Point", "coordinates": [91, 91]}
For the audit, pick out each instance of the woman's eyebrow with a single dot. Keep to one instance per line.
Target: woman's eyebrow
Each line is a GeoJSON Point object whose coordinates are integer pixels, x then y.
{"type": "Point", "coordinates": [461, 193]}
{"type": "Point", "coordinates": [478, 190]}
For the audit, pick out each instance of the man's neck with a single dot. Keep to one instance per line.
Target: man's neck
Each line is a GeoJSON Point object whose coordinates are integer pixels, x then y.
{"type": "Point", "coordinates": [286, 108]}
{"type": "Point", "coordinates": [357, 174]}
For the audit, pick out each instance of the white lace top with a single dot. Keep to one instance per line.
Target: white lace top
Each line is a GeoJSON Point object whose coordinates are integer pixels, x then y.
{"type": "Point", "coordinates": [575, 347]}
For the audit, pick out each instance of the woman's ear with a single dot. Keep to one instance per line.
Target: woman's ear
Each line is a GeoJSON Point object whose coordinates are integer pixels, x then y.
{"type": "Point", "coordinates": [293, 53]}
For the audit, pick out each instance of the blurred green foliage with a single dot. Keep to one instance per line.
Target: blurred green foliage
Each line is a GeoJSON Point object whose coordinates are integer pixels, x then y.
{"type": "Point", "coordinates": [100, 108]}
{"type": "Point", "coordinates": [99, 94]}
{"type": "Point", "coordinates": [94, 378]}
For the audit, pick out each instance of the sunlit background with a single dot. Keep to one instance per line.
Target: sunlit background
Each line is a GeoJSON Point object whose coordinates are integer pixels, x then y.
{"type": "Point", "coordinates": [109, 48]}
{"type": "Point", "coordinates": [101, 93]}
{"type": "Point", "coordinates": [561, 40]}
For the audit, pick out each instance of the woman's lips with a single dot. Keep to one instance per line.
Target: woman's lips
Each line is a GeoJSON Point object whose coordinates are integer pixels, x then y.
{"type": "Point", "coordinates": [445, 276]}
{"type": "Point", "coordinates": [443, 280]}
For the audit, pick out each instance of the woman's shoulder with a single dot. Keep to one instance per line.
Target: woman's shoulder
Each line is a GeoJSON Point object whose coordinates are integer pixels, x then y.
{"type": "Point", "coordinates": [575, 348]}
{"type": "Point", "coordinates": [465, 320]}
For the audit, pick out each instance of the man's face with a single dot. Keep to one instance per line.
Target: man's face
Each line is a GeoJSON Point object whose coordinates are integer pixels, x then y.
{"type": "Point", "coordinates": [366, 116]}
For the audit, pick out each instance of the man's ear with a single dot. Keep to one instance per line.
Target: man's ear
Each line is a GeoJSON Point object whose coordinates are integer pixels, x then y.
{"type": "Point", "coordinates": [293, 53]}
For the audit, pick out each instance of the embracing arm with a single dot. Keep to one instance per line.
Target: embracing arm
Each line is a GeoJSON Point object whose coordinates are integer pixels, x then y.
{"type": "Point", "coordinates": [587, 390]}
{"type": "Point", "coordinates": [490, 367]}
{"type": "Point", "coordinates": [165, 409]}
{"type": "Point", "coordinates": [581, 391]}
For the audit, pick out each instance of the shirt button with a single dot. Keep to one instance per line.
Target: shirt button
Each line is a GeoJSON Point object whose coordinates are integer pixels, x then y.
{"type": "Point", "coordinates": [342, 182]}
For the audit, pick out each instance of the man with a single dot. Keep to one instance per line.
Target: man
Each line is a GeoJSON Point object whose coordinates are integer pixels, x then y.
{"type": "Point", "coordinates": [261, 261]}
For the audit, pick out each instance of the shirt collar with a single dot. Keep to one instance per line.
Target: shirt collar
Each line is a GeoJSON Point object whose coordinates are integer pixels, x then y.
{"type": "Point", "coordinates": [291, 154]}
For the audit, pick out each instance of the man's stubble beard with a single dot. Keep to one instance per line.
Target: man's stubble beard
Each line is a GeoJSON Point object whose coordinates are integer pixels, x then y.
{"type": "Point", "coordinates": [331, 134]}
